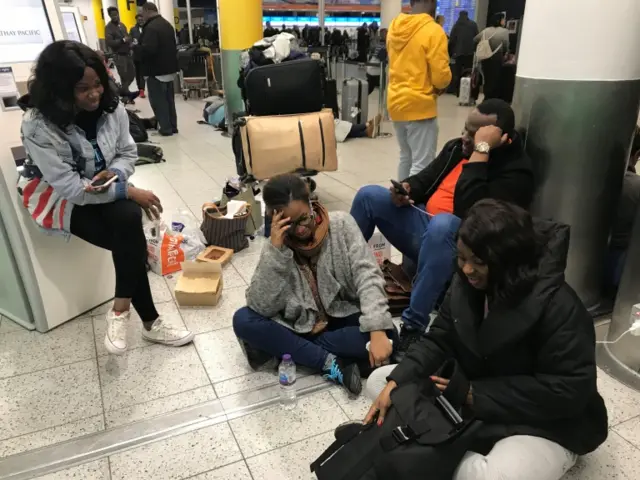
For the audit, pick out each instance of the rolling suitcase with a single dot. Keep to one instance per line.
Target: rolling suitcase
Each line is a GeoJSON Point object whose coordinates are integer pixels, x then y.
{"type": "Point", "coordinates": [285, 88]}
{"type": "Point", "coordinates": [464, 99]}
{"type": "Point", "coordinates": [355, 100]}
{"type": "Point", "coordinates": [289, 143]}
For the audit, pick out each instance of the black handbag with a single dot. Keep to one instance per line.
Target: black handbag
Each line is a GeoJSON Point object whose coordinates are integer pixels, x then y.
{"type": "Point", "coordinates": [423, 436]}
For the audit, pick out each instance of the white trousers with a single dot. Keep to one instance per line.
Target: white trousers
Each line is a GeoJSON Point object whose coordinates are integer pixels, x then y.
{"type": "Point", "coordinates": [418, 141]}
{"type": "Point", "coordinates": [520, 457]}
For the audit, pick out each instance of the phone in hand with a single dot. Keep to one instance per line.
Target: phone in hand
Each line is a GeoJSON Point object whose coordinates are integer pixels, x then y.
{"type": "Point", "coordinates": [102, 183]}
{"type": "Point", "coordinates": [399, 188]}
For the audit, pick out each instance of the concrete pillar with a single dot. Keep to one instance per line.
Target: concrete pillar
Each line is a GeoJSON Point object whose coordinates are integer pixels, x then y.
{"type": "Point", "coordinates": [577, 97]}
{"type": "Point", "coordinates": [165, 8]}
{"type": "Point", "coordinates": [99, 16]}
{"type": "Point", "coordinates": [389, 9]}
{"type": "Point", "coordinates": [240, 24]}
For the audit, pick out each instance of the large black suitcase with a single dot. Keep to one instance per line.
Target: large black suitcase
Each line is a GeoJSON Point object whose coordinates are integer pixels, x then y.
{"type": "Point", "coordinates": [285, 88]}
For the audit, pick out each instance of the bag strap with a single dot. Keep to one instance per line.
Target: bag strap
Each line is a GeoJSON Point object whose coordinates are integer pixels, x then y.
{"type": "Point", "coordinates": [212, 206]}
{"type": "Point", "coordinates": [304, 153]}
{"type": "Point", "coordinates": [328, 453]}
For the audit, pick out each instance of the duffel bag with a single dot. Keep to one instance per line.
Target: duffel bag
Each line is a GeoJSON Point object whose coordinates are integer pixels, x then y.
{"type": "Point", "coordinates": [287, 143]}
{"type": "Point", "coordinates": [422, 437]}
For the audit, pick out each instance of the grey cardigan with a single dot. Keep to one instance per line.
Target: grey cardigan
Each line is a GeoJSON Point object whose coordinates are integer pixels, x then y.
{"type": "Point", "coordinates": [349, 282]}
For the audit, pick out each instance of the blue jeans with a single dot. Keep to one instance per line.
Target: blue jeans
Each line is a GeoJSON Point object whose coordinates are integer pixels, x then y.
{"type": "Point", "coordinates": [428, 241]}
{"type": "Point", "coordinates": [342, 337]}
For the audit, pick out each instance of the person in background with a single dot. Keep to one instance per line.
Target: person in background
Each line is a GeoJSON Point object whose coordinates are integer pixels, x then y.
{"type": "Point", "coordinates": [159, 62]}
{"type": "Point", "coordinates": [440, 20]}
{"type": "Point", "coordinates": [524, 347]}
{"type": "Point", "coordinates": [488, 161]}
{"type": "Point", "coordinates": [119, 42]}
{"type": "Point", "coordinates": [296, 32]}
{"type": "Point", "coordinates": [75, 133]}
{"type": "Point", "coordinates": [363, 42]}
{"type": "Point", "coordinates": [498, 37]}
{"type": "Point", "coordinates": [378, 56]}
{"type": "Point", "coordinates": [462, 46]}
{"type": "Point", "coordinates": [317, 293]}
{"type": "Point", "coordinates": [269, 31]}
{"type": "Point", "coordinates": [418, 73]}
{"type": "Point", "coordinates": [136, 33]}
{"type": "Point", "coordinates": [624, 219]}
{"type": "Point", "coordinates": [126, 96]}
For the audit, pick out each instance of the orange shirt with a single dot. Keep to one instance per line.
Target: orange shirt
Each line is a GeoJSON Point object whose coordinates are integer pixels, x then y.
{"type": "Point", "coordinates": [442, 199]}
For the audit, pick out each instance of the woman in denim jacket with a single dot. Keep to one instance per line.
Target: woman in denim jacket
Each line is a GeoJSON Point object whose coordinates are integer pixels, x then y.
{"type": "Point", "coordinates": [76, 134]}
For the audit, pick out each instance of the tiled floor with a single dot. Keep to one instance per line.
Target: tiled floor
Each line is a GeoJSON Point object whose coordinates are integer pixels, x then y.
{"type": "Point", "coordinates": [62, 385]}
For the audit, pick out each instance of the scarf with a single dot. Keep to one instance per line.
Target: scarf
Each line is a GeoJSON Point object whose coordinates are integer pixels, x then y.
{"type": "Point", "coordinates": [306, 256]}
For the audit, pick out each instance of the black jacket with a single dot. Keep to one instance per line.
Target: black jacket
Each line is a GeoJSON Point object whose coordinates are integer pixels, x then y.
{"type": "Point", "coordinates": [508, 175]}
{"type": "Point", "coordinates": [158, 52]}
{"type": "Point", "coordinates": [531, 365]}
{"type": "Point", "coordinates": [461, 39]}
{"type": "Point", "coordinates": [115, 34]}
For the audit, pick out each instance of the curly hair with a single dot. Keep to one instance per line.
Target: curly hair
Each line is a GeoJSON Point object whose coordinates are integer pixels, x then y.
{"type": "Point", "coordinates": [502, 235]}
{"type": "Point", "coordinates": [59, 68]}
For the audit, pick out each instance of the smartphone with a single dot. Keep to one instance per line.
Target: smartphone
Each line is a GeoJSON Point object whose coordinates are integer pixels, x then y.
{"type": "Point", "coordinates": [102, 183]}
{"type": "Point", "coordinates": [399, 188]}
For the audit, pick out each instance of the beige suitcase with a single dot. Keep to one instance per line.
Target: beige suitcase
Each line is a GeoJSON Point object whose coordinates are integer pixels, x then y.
{"type": "Point", "coordinates": [285, 143]}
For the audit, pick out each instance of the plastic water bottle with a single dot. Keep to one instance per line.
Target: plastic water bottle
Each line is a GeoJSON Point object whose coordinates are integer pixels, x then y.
{"type": "Point", "coordinates": [287, 378]}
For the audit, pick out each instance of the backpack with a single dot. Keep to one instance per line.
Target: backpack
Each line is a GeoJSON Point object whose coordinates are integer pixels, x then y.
{"type": "Point", "coordinates": [422, 436]}
{"type": "Point", "coordinates": [137, 128]}
{"type": "Point", "coordinates": [148, 153]}
{"type": "Point", "coordinates": [483, 50]}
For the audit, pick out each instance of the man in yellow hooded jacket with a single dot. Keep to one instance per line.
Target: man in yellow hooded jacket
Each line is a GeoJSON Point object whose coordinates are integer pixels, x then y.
{"type": "Point", "coordinates": [418, 72]}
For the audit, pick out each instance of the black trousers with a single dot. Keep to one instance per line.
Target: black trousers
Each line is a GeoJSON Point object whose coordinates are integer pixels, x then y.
{"type": "Point", "coordinates": [492, 72]}
{"type": "Point", "coordinates": [463, 63]}
{"type": "Point", "coordinates": [117, 227]}
{"type": "Point", "coordinates": [374, 82]}
{"type": "Point", "coordinates": [163, 102]}
{"type": "Point", "coordinates": [126, 70]}
{"type": "Point", "coordinates": [139, 76]}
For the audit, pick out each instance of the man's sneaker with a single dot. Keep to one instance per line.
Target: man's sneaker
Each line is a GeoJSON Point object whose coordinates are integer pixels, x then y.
{"type": "Point", "coordinates": [115, 340]}
{"type": "Point", "coordinates": [407, 338]}
{"type": "Point", "coordinates": [162, 332]}
{"type": "Point", "coordinates": [347, 375]}
{"type": "Point", "coordinates": [142, 95]}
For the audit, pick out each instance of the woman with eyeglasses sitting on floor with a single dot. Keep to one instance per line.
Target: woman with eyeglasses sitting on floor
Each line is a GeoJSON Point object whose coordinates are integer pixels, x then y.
{"type": "Point", "coordinates": [524, 345]}
{"type": "Point", "coordinates": [317, 293]}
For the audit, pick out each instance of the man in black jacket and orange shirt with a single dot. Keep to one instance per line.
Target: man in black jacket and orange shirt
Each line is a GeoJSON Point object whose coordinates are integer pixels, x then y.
{"type": "Point", "coordinates": [488, 161]}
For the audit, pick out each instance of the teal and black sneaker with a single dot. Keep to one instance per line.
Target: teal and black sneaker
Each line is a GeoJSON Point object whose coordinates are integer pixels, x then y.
{"type": "Point", "coordinates": [347, 375]}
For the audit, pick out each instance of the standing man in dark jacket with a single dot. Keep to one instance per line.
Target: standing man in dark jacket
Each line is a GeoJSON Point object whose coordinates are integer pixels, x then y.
{"type": "Point", "coordinates": [159, 59]}
{"type": "Point", "coordinates": [119, 42]}
{"type": "Point", "coordinates": [136, 33]}
{"type": "Point", "coordinates": [523, 345]}
{"type": "Point", "coordinates": [487, 162]}
{"type": "Point", "coordinates": [462, 46]}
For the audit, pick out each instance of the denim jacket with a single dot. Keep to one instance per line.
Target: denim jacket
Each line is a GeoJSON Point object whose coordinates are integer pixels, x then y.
{"type": "Point", "coordinates": [64, 164]}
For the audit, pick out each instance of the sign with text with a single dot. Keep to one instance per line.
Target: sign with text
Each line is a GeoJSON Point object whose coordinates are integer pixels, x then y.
{"type": "Point", "coordinates": [24, 30]}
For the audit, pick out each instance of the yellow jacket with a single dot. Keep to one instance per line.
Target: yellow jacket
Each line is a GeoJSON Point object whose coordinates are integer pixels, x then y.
{"type": "Point", "coordinates": [418, 67]}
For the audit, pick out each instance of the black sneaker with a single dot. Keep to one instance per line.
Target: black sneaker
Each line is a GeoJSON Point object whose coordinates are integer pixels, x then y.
{"type": "Point", "coordinates": [256, 358]}
{"type": "Point", "coordinates": [347, 375]}
{"type": "Point", "coordinates": [408, 336]}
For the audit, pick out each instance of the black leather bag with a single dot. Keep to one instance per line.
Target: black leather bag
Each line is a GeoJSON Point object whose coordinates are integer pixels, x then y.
{"type": "Point", "coordinates": [285, 88]}
{"type": "Point", "coordinates": [422, 437]}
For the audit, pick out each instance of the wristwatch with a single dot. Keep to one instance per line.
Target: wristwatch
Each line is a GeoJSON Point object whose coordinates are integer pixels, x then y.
{"type": "Point", "coordinates": [482, 147]}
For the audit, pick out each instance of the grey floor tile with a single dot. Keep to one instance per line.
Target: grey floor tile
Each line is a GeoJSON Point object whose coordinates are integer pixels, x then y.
{"type": "Point", "coordinates": [355, 408]}
{"type": "Point", "coordinates": [149, 373]}
{"type": "Point", "coordinates": [615, 459]}
{"type": "Point", "coordinates": [206, 319]}
{"type": "Point", "coordinates": [235, 471]}
{"type": "Point", "coordinates": [98, 470]}
{"type": "Point", "coordinates": [41, 400]}
{"type": "Point", "coordinates": [141, 411]}
{"type": "Point", "coordinates": [168, 310]}
{"type": "Point", "coordinates": [178, 457]}
{"type": "Point", "coordinates": [231, 277]}
{"type": "Point", "coordinates": [275, 427]}
{"type": "Point", "coordinates": [623, 403]}
{"type": "Point", "coordinates": [221, 355]}
{"type": "Point", "coordinates": [252, 381]}
{"type": "Point", "coordinates": [159, 289]}
{"type": "Point", "coordinates": [290, 462]}
{"type": "Point", "coordinates": [25, 351]}
{"type": "Point", "coordinates": [630, 431]}
{"type": "Point", "coordinates": [245, 265]}
{"type": "Point", "coordinates": [51, 436]}
{"type": "Point", "coordinates": [7, 326]}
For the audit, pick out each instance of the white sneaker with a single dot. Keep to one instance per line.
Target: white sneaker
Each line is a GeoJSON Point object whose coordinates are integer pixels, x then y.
{"type": "Point", "coordinates": [115, 341]}
{"type": "Point", "coordinates": [163, 333]}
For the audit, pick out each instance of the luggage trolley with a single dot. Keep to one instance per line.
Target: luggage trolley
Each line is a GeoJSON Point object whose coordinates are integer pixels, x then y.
{"type": "Point", "coordinates": [196, 71]}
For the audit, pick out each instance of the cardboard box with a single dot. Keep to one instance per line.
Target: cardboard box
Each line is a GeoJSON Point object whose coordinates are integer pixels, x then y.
{"type": "Point", "coordinates": [200, 284]}
{"type": "Point", "coordinates": [215, 254]}
{"type": "Point", "coordinates": [380, 247]}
